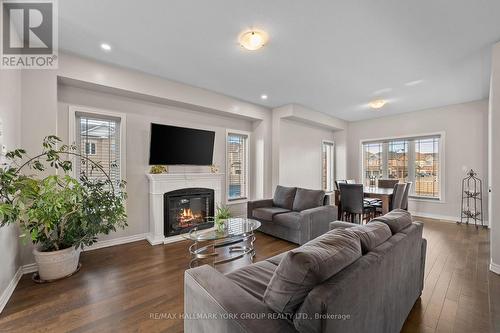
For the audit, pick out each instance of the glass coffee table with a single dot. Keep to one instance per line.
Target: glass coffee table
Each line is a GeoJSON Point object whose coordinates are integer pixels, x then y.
{"type": "Point", "coordinates": [223, 245]}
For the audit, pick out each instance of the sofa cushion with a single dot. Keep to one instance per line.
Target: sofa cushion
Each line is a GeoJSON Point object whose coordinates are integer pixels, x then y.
{"type": "Point", "coordinates": [276, 259]}
{"type": "Point", "coordinates": [267, 213]}
{"type": "Point", "coordinates": [289, 220]}
{"type": "Point", "coordinates": [254, 278]}
{"type": "Point", "coordinates": [303, 268]}
{"type": "Point", "coordinates": [306, 199]}
{"type": "Point", "coordinates": [396, 219]}
{"type": "Point", "coordinates": [283, 197]}
{"type": "Point", "coordinates": [372, 235]}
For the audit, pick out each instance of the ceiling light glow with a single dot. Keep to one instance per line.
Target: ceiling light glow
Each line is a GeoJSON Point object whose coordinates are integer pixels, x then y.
{"type": "Point", "coordinates": [263, 96]}
{"type": "Point", "coordinates": [253, 40]}
{"type": "Point", "coordinates": [377, 104]}
{"type": "Point", "coordinates": [413, 83]}
{"type": "Point", "coordinates": [106, 47]}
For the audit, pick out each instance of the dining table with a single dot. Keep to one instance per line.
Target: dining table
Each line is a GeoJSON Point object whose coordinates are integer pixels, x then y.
{"type": "Point", "coordinates": [384, 194]}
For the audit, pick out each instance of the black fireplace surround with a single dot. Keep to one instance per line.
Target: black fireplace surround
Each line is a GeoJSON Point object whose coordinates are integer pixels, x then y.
{"type": "Point", "coordinates": [187, 208]}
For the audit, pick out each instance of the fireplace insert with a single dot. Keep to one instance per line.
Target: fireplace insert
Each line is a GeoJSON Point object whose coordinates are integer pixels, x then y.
{"type": "Point", "coordinates": [187, 208]}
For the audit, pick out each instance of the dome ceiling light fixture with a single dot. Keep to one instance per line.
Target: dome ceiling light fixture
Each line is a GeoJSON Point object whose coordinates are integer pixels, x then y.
{"type": "Point", "coordinates": [253, 40]}
{"type": "Point", "coordinates": [377, 104]}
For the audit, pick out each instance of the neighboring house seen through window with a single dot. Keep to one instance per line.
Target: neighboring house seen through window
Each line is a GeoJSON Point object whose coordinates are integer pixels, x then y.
{"type": "Point", "coordinates": [237, 153]}
{"type": "Point", "coordinates": [415, 159]}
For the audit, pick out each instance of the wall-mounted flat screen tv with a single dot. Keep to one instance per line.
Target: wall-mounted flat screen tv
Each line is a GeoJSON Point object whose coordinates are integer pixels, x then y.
{"type": "Point", "coordinates": [171, 145]}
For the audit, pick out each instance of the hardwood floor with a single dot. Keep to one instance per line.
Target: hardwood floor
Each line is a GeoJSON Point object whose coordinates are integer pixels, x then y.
{"type": "Point", "coordinates": [139, 288]}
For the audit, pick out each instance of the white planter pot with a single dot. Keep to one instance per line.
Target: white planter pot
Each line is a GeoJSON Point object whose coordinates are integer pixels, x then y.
{"type": "Point", "coordinates": [56, 264]}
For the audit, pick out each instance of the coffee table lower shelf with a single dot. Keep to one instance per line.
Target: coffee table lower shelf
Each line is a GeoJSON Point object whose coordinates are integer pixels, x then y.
{"type": "Point", "coordinates": [202, 250]}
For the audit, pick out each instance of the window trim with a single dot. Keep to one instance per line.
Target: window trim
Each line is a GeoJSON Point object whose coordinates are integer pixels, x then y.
{"type": "Point", "coordinates": [334, 169]}
{"type": "Point", "coordinates": [442, 159]}
{"type": "Point", "coordinates": [246, 197]}
{"type": "Point", "coordinates": [73, 109]}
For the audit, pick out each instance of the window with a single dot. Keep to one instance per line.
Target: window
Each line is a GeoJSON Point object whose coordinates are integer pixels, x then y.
{"type": "Point", "coordinates": [98, 137]}
{"type": "Point", "coordinates": [415, 159]}
{"type": "Point", "coordinates": [327, 166]}
{"type": "Point", "coordinates": [237, 165]}
{"type": "Point", "coordinates": [90, 148]}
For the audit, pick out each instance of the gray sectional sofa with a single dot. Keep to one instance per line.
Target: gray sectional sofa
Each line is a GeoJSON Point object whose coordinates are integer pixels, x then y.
{"type": "Point", "coordinates": [351, 279]}
{"type": "Point", "coordinates": [294, 214]}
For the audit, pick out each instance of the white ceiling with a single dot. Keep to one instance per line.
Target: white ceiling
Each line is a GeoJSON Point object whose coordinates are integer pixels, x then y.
{"type": "Point", "coordinates": [332, 56]}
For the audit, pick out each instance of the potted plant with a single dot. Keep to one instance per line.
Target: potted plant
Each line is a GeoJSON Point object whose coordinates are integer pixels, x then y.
{"type": "Point", "coordinates": [59, 213]}
{"type": "Point", "coordinates": [221, 215]}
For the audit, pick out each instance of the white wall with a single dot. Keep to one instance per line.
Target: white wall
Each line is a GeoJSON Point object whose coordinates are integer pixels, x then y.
{"type": "Point", "coordinates": [465, 127]}
{"type": "Point", "coordinates": [140, 115]}
{"type": "Point", "coordinates": [10, 111]}
{"type": "Point", "coordinates": [297, 133]}
{"type": "Point", "coordinates": [494, 160]}
{"type": "Point", "coordinates": [300, 154]}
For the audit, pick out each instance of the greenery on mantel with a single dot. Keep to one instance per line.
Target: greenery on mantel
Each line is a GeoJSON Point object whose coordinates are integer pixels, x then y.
{"type": "Point", "coordinates": [58, 211]}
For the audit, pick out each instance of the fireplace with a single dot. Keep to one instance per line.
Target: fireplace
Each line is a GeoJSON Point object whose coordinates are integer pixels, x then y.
{"type": "Point", "coordinates": [187, 208]}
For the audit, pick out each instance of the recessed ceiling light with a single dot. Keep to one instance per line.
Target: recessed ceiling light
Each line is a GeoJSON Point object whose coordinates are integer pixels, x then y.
{"type": "Point", "coordinates": [106, 47]}
{"type": "Point", "coordinates": [253, 40]}
{"type": "Point", "coordinates": [263, 96]}
{"type": "Point", "coordinates": [377, 104]}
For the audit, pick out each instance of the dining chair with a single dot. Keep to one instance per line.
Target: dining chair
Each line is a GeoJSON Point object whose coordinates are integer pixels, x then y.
{"type": "Point", "coordinates": [354, 209]}
{"type": "Point", "coordinates": [397, 199]}
{"type": "Point", "coordinates": [387, 183]}
{"type": "Point", "coordinates": [405, 196]}
{"type": "Point", "coordinates": [340, 181]}
{"type": "Point", "coordinates": [398, 195]}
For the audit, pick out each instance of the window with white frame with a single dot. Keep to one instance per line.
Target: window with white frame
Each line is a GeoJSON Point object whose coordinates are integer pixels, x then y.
{"type": "Point", "coordinates": [237, 153]}
{"type": "Point", "coordinates": [90, 148]}
{"type": "Point", "coordinates": [327, 166]}
{"type": "Point", "coordinates": [98, 138]}
{"type": "Point", "coordinates": [414, 159]}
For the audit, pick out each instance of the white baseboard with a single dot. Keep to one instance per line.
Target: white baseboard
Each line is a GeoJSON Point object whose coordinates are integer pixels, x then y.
{"type": "Point", "coordinates": [444, 218]}
{"type": "Point", "coordinates": [4, 298]}
{"type": "Point", "coordinates": [30, 268]}
{"type": "Point", "coordinates": [495, 268]}
{"type": "Point", "coordinates": [116, 241]}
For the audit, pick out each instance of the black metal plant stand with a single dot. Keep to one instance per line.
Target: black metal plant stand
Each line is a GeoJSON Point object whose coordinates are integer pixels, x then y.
{"type": "Point", "coordinates": [472, 199]}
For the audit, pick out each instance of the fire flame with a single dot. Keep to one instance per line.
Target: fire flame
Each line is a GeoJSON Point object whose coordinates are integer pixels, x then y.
{"type": "Point", "coordinates": [186, 216]}
{"type": "Point", "coordinates": [187, 213]}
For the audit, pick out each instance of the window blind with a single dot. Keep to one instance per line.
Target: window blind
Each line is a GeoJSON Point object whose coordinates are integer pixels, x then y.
{"type": "Point", "coordinates": [327, 157]}
{"type": "Point", "coordinates": [237, 156]}
{"type": "Point", "coordinates": [98, 139]}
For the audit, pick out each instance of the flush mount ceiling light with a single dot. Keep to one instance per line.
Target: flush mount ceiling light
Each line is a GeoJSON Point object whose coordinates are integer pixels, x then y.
{"type": "Point", "coordinates": [253, 40]}
{"type": "Point", "coordinates": [263, 96]}
{"type": "Point", "coordinates": [106, 47]}
{"type": "Point", "coordinates": [377, 104]}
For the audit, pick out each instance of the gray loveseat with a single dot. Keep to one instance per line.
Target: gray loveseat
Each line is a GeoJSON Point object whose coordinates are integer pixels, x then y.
{"type": "Point", "coordinates": [295, 214]}
{"type": "Point", "coordinates": [350, 280]}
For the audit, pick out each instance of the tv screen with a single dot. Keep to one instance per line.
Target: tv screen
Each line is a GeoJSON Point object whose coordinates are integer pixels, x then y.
{"type": "Point", "coordinates": [171, 145]}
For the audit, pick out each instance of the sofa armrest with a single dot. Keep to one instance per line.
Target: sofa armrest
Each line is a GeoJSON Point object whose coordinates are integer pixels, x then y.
{"type": "Point", "coordinates": [341, 225]}
{"type": "Point", "coordinates": [251, 205]}
{"type": "Point", "coordinates": [214, 303]}
{"type": "Point", "coordinates": [315, 222]}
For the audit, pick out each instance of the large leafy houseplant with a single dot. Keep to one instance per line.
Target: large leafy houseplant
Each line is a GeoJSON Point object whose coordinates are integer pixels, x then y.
{"type": "Point", "coordinates": [58, 212]}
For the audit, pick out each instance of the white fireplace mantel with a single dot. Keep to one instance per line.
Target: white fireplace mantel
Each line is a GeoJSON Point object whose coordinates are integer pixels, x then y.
{"type": "Point", "coordinates": [159, 184]}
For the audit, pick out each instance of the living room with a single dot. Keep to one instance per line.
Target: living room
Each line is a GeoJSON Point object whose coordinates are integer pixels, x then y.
{"type": "Point", "coordinates": [275, 115]}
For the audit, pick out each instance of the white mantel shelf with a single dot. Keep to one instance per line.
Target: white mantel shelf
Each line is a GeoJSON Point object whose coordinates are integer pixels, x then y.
{"type": "Point", "coordinates": [159, 184]}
